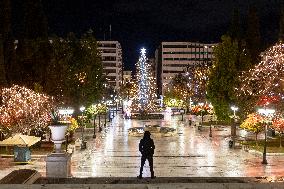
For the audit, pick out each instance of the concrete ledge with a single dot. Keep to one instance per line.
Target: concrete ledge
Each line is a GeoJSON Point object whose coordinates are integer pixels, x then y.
{"type": "Point", "coordinates": [158, 180]}
{"type": "Point", "coordinates": [150, 186]}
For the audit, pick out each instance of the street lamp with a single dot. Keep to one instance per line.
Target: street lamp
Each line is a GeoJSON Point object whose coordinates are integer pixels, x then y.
{"type": "Point", "coordinates": [105, 108]}
{"type": "Point", "coordinates": [234, 108]}
{"type": "Point", "coordinates": [83, 143]}
{"type": "Point", "coordinates": [201, 104]}
{"type": "Point", "coordinates": [99, 112]}
{"type": "Point", "coordinates": [233, 129]}
{"type": "Point", "coordinates": [210, 131]}
{"type": "Point", "coordinates": [95, 116]}
{"type": "Point", "coordinates": [109, 110]}
{"type": "Point", "coordinates": [265, 112]}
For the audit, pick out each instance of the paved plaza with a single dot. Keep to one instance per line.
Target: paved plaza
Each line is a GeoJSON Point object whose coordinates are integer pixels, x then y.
{"type": "Point", "coordinates": [191, 153]}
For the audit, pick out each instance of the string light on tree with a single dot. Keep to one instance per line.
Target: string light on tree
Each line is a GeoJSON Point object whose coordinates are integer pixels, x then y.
{"type": "Point", "coordinates": [145, 95]}
{"type": "Point", "coordinates": [22, 109]}
{"type": "Point", "coordinates": [266, 78]}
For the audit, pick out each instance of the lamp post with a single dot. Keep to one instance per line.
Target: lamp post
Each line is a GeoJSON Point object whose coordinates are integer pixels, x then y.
{"type": "Point", "coordinates": [105, 116]}
{"type": "Point", "coordinates": [105, 106]}
{"type": "Point", "coordinates": [116, 106]}
{"type": "Point", "coordinates": [201, 104]}
{"type": "Point", "coordinates": [266, 112]}
{"type": "Point", "coordinates": [109, 112]}
{"type": "Point", "coordinates": [182, 112]}
{"type": "Point", "coordinates": [210, 128]}
{"type": "Point", "coordinates": [233, 129]}
{"type": "Point", "coordinates": [83, 143]}
{"type": "Point", "coordinates": [94, 135]}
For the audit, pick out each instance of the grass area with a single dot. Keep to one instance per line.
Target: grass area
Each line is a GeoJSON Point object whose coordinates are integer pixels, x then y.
{"type": "Point", "coordinates": [89, 125]}
{"type": "Point", "coordinates": [272, 145]}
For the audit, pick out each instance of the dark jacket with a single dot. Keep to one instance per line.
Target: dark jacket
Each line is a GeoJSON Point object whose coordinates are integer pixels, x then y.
{"type": "Point", "coordinates": [146, 146]}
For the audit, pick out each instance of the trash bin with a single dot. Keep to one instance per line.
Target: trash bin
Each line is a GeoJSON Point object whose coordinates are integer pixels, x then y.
{"type": "Point", "coordinates": [83, 145]}
{"type": "Point", "coordinates": [271, 132]}
{"type": "Point", "coordinates": [231, 143]}
{"type": "Point", "coordinates": [22, 154]}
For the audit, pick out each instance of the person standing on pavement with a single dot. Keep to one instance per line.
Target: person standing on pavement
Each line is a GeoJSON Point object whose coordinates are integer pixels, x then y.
{"type": "Point", "coordinates": [146, 147]}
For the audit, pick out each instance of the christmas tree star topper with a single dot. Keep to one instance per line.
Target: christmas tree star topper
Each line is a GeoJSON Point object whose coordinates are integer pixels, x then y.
{"type": "Point", "coordinates": [143, 51]}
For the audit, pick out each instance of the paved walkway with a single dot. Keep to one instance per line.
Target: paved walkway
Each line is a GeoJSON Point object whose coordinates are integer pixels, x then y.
{"type": "Point", "coordinates": [191, 153]}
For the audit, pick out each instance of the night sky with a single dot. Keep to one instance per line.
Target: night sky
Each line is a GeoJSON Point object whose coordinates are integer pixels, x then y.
{"type": "Point", "coordinates": [145, 23]}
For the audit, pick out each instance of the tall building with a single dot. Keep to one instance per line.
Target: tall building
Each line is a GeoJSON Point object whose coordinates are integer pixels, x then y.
{"type": "Point", "coordinates": [172, 58]}
{"type": "Point", "coordinates": [111, 53]}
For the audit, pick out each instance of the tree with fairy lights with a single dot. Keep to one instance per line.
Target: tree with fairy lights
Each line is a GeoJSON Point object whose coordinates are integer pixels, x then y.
{"type": "Point", "coordinates": [265, 79]}
{"type": "Point", "coordinates": [264, 85]}
{"type": "Point", "coordinates": [145, 97]}
{"type": "Point", "coordinates": [198, 76]}
{"type": "Point", "coordinates": [23, 110]}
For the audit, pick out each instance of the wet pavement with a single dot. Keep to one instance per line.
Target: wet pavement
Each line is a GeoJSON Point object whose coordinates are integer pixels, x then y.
{"type": "Point", "coordinates": [191, 153]}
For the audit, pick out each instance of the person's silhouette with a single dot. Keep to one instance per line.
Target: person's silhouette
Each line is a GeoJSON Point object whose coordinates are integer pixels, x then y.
{"type": "Point", "coordinates": [146, 147]}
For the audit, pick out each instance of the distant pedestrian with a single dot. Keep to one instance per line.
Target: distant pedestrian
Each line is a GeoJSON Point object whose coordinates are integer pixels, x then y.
{"type": "Point", "coordinates": [146, 147]}
{"type": "Point", "coordinates": [189, 120]}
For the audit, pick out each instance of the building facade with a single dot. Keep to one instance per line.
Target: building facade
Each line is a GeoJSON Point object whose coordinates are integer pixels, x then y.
{"type": "Point", "coordinates": [173, 58]}
{"type": "Point", "coordinates": [111, 54]}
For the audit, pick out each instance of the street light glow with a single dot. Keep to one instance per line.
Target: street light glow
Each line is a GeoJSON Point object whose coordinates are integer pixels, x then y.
{"type": "Point", "coordinates": [234, 108]}
{"type": "Point", "coordinates": [82, 108]}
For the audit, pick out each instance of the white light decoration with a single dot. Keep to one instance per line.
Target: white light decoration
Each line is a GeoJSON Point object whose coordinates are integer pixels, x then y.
{"type": "Point", "coordinates": [266, 78]}
{"type": "Point", "coordinates": [22, 109]}
{"type": "Point", "coordinates": [144, 97]}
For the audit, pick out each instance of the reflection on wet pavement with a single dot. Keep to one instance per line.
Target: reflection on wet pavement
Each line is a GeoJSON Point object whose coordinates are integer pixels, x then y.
{"type": "Point", "coordinates": [189, 153]}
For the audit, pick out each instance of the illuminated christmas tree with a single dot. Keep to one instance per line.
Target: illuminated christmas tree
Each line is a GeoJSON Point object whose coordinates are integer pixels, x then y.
{"type": "Point", "coordinates": [266, 78]}
{"type": "Point", "coordinates": [145, 97]}
{"type": "Point", "coordinates": [263, 86]}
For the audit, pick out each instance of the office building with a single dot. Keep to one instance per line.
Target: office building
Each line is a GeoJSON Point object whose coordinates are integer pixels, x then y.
{"type": "Point", "coordinates": [172, 58]}
{"type": "Point", "coordinates": [111, 53]}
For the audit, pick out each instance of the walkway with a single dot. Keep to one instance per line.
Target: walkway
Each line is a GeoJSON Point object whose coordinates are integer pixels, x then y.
{"type": "Point", "coordinates": [191, 153]}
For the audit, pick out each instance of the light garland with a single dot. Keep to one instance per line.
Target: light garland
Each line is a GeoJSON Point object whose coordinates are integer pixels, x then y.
{"type": "Point", "coordinates": [23, 109]}
{"type": "Point", "coordinates": [266, 78]}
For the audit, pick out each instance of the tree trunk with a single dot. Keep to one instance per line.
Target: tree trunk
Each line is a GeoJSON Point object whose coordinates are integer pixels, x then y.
{"type": "Point", "coordinates": [280, 139]}
{"type": "Point", "coordinates": [256, 139]}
